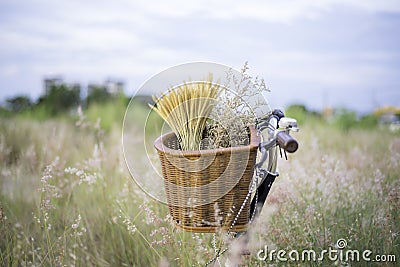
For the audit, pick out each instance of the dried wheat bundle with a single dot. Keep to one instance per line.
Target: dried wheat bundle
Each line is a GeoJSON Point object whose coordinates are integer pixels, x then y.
{"type": "Point", "coordinates": [186, 110]}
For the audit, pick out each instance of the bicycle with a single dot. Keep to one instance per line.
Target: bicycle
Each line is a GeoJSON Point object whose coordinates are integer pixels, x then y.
{"type": "Point", "coordinates": [278, 137]}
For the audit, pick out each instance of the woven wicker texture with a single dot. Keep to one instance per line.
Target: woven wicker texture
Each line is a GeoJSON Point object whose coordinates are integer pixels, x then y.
{"type": "Point", "coordinates": [205, 189]}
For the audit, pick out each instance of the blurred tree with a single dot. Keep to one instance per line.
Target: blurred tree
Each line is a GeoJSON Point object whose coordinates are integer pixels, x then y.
{"type": "Point", "coordinates": [297, 111]}
{"type": "Point", "coordinates": [368, 121]}
{"type": "Point", "coordinates": [98, 94]}
{"type": "Point", "coordinates": [19, 103]}
{"type": "Point", "coordinates": [345, 119]}
{"type": "Point", "coordinates": [387, 110]}
{"type": "Point", "coordinates": [61, 98]}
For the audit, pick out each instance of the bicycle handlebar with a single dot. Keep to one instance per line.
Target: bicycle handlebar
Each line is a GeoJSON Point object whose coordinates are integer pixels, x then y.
{"type": "Point", "coordinates": [287, 142]}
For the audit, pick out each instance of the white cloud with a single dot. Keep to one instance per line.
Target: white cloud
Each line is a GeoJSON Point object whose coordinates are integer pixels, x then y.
{"type": "Point", "coordinates": [92, 40]}
{"type": "Point", "coordinates": [285, 11]}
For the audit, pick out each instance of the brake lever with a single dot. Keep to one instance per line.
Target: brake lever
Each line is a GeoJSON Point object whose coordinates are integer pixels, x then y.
{"type": "Point", "coordinates": [264, 122]}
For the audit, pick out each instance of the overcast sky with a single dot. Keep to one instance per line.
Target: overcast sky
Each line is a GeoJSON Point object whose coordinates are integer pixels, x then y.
{"type": "Point", "coordinates": [325, 52]}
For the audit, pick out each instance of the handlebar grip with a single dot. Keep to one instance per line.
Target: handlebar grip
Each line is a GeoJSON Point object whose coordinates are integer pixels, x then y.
{"type": "Point", "coordinates": [287, 142]}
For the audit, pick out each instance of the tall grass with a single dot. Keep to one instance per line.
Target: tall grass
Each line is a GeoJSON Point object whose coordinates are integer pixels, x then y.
{"type": "Point", "coordinates": [67, 199]}
{"type": "Point", "coordinates": [338, 186]}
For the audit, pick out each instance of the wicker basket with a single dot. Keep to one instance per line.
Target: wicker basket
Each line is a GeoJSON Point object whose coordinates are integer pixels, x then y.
{"type": "Point", "coordinates": [205, 189]}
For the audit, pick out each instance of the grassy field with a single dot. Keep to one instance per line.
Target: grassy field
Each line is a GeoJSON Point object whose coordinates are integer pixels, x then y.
{"type": "Point", "coordinates": [67, 199]}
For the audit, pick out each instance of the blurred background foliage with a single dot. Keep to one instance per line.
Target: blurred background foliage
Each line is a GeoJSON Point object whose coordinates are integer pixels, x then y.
{"type": "Point", "coordinates": [62, 101]}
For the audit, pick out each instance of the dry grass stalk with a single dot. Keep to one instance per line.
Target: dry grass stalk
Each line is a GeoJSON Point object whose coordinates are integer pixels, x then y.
{"type": "Point", "coordinates": [237, 109]}
{"type": "Point", "coordinates": [186, 110]}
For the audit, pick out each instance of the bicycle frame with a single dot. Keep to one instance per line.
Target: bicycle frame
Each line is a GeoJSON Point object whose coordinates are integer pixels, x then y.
{"type": "Point", "coordinates": [276, 125]}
